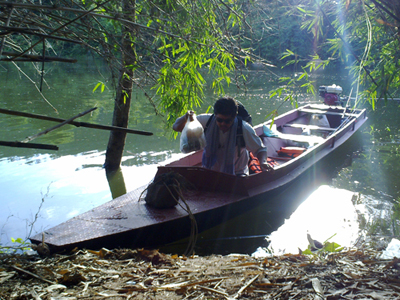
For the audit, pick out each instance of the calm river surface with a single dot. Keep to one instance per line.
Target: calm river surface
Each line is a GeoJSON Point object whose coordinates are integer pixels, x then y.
{"type": "Point", "coordinates": [355, 191]}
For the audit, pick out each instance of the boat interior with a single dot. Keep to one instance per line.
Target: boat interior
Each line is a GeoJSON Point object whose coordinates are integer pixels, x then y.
{"type": "Point", "coordinates": [288, 138]}
{"type": "Point", "coordinates": [292, 133]}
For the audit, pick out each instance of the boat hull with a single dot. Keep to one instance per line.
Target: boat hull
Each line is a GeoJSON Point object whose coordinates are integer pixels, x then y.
{"type": "Point", "coordinates": [213, 197]}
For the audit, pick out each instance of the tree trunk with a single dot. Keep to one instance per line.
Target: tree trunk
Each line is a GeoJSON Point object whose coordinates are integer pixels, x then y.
{"type": "Point", "coordinates": [116, 142]}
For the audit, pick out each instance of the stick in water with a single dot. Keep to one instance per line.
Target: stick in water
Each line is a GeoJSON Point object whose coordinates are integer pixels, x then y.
{"type": "Point", "coordinates": [30, 138]}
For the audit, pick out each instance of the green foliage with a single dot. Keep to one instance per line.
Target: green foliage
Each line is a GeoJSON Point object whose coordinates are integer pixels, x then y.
{"type": "Point", "coordinates": [357, 34]}
{"type": "Point", "coordinates": [172, 43]}
{"type": "Point", "coordinates": [299, 83]}
{"type": "Point", "coordinates": [17, 245]}
{"type": "Point", "coordinates": [328, 247]}
{"type": "Point", "coordinates": [199, 39]}
{"type": "Point", "coordinates": [332, 247]}
{"type": "Point", "coordinates": [101, 85]}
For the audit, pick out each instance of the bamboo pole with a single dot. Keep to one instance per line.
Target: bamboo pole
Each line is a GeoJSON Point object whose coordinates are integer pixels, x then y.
{"type": "Point", "coordinates": [30, 31]}
{"type": "Point", "coordinates": [78, 124]}
{"type": "Point", "coordinates": [28, 145]}
{"type": "Point", "coordinates": [39, 59]}
{"type": "Point", "coordinates": [92, 13]}
{"type": "Point", "coordinates": [30, 138]}
{"type": "Point", "coordinates": [66, 24]}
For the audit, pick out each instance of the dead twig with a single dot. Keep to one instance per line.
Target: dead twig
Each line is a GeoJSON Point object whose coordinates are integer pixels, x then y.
{"type": "Point", "coordinates": [32, 274]}
{"type": "Point", "coordinates": [37, 88]}
{"type": "Point", "coordinates": [214, 290]}
{"type": "Point", "coordinates": [245, 287]}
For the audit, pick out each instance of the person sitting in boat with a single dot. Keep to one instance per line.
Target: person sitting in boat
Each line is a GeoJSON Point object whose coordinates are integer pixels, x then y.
{"type": "Point", "coordinates": [222, 152]}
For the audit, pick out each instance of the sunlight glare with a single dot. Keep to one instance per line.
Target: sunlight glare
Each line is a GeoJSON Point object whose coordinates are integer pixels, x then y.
{"type": "Point", "coordinates": [327, 213]}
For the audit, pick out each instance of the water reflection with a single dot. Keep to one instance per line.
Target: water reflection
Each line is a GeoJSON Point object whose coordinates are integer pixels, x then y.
{"type": "Point", "coordinates": [116, 182]}
{"type": "Point", "coordinates": [248, 231]}
{"type": "Point", "coordinates": [328, 213]}
{"type": "Point", "coordinates": [281, 224]}
{"type": "Point", "coordinates": [44, 191]}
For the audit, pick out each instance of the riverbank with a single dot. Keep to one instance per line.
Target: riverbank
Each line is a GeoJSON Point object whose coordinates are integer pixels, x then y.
{"type": "Point", "coordinates": [149, 274]}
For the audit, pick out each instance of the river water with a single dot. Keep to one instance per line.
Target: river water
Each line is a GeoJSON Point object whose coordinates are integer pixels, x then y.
{"type": "Point", "coordinates": [353, 193]}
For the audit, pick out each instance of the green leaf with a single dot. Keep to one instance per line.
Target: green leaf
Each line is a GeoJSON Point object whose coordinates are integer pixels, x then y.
{"type": "Point", "coordinates": [302, 75]}
{"type": "Point", "coordinates": [332, 247]}
{"type": "Point", "coordinates": [301, 9]}
{"type": "Point", "coordinates": [97, 85]}
{"type": "Point", "coordinates": [308, 252]}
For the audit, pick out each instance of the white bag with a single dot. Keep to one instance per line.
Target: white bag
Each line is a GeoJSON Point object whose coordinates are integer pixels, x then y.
{"type": "Point", "coordinates": [192, 137]}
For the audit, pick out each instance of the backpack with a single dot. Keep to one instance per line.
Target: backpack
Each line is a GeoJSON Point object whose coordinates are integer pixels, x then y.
{"type": "Point", "coordinates": [243, 114]}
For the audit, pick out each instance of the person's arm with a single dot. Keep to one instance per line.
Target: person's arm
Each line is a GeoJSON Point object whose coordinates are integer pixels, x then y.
{"type": "Point", "coordinates": [181, 121]}
{"type": "Point", "coordinates": [262, 157]}
{"type": "Point", "coordinates": [255, 144]}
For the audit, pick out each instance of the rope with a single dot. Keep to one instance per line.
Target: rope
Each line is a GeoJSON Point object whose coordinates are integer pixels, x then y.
{"type": "Point", "coordinates": [177, 186]}
{"type": "Point", "coordinates": [193, 228]}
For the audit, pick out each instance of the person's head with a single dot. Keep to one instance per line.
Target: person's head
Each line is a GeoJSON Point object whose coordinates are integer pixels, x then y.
{"type": "Point", "coordinates": [225, 111]}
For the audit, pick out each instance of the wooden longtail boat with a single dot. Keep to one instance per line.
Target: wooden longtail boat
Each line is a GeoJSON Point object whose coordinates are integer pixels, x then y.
{"type": "Point", "coordinates": [217, 197]}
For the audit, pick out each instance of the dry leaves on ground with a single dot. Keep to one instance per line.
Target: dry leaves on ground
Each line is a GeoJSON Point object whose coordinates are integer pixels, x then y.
{"type": "Point", "coordinates": [148, 274]}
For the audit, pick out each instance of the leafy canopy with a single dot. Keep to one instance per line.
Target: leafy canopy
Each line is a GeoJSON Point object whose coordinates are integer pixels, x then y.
{"type": "Point", "coordinates": [170, 43]}
{"type": "Point", "coordinates": [363, 36]}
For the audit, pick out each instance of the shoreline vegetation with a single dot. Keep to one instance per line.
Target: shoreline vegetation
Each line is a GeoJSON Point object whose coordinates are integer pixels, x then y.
{"type": "Point", "coordinates": [149, 274]}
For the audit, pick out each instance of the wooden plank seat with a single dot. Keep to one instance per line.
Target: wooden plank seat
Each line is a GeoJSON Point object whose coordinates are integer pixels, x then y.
{"type": "Point", "coordinates": [310, 127]}
{"type": "Point", "coordinates": [311, 140]}
{"type": "Point", "coordinates": [325, 112]}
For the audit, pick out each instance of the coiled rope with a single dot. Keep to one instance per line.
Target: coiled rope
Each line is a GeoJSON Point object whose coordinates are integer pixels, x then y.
{"type": "Point", "coordinates": [175, 184]}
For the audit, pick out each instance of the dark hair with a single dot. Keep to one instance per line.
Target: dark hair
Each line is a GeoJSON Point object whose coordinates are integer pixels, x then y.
{"type": "Point", "coordinates": [226, 106]}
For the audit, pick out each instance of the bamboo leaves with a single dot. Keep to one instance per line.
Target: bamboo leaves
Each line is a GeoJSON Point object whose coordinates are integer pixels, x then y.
{"type": "Point", "coordinates": [101, 85]}
{"type": "Point", "coordinates": [150, 274]}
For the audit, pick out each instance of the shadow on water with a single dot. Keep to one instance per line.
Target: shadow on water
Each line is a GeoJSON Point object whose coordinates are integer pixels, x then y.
{"type": "Point", "coordinates": [248, 231]}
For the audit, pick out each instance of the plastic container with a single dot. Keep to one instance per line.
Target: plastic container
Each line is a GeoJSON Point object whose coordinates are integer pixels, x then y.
{"type": "Point", "coordinates": [331, 89]}
{"type": "Point", "coordinates": [192, 137]}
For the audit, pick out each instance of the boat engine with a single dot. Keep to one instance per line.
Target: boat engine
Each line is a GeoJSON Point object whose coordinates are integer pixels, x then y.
{"type": "Point", "coordinates": [331, 94]}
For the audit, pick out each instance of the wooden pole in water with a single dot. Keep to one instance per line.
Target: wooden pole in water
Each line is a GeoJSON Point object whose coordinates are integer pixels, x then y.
{"type": "Point", "coordinates": [28, 145]}
{"type": "Point", "coordinates": [78, 124]}
{"type": "Point", "coordinates": [30, 138]}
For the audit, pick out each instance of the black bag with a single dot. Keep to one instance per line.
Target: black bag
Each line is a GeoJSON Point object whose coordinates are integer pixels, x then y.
{"type": "Point", "coordinates": [244, 114]}
{"type": "Point", "coordinates": [162, 192]}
